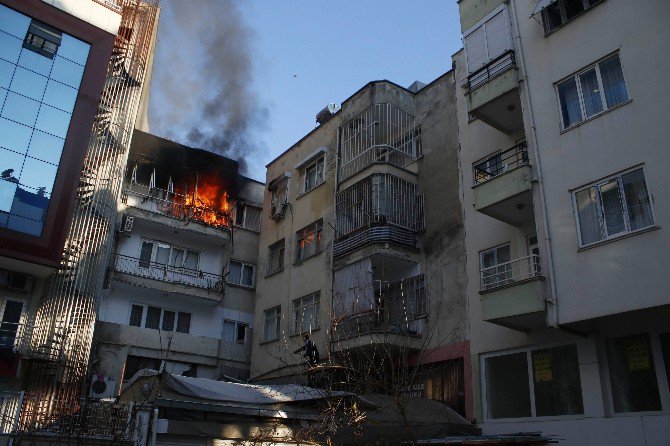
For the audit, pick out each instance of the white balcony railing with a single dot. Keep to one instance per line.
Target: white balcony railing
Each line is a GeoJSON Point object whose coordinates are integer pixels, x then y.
{"type": "Point", "coordinates": [508, 273]}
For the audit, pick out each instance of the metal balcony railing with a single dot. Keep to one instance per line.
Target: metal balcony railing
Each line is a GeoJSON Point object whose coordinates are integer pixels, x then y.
{"type": "Point", "coordinates": [167, 273]}
{"type": "Point", "coordinates": [510, 272]}
{"type": "Point", "coordinates": [501, 64]}
{"type": "Point", "coordinates": [500, 162]}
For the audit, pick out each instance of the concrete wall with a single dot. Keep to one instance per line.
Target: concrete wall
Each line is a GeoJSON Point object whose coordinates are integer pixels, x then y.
{"type": "Point", "coordinates": [92, 12]}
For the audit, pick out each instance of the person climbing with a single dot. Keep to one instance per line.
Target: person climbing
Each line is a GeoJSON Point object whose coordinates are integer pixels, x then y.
{"type": "Point", "coordinates": [311, 352]}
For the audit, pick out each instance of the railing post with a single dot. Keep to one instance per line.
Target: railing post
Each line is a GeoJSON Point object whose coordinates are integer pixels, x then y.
{"type": "Point", "coordinates": [17, 416]}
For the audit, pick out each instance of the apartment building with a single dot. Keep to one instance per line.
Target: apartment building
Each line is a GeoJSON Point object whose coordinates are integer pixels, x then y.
{"type": "Point", "coordinates": [180, 290]}
{"type": "Point", "coordinates": [562, 160]}
{"type": "Point", "coordinates": [363, 245]}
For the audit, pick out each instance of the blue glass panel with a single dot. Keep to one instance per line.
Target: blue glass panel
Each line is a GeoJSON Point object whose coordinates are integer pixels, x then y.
{"type": "Point", "coordinates": [60, 96]}
{"type": "Point", "coordinates": [74, 49]}
{"type": "Point", "coordinates": [7, 192]}
{"type": "Point", "coordinates": [6, 73]}
{"type": "Point", "coordinates": [10, 165]}
{"type": "Point", "coordinates": [27, 225]}
{"type": "Point", "coordinates": [27, 83]}
{"type": "Point", "coordinates": [3, 94]}
{"type": "Point", "coordinates": [10, 47]}
{"type": "Point", "coordinates": [20, 109]}
{"type": "Point", "coordinates": [67, 72]}
{"type": "Point", "coordinates": [46, 147]}
{"type": "Point", "coordinates": [52, 120]}
{"type": "Point", "coordinates": [13, 22]}
{"type": "Point", "coordinates": [35, 62]}
{"type": "Point", "coordinates": [37, 175]}
{"type": "Point", "coordinates": [14, 136]}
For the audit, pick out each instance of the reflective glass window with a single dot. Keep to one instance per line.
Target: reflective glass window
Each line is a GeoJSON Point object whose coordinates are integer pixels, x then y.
{"type": "Point", "coordinates": [28, 84]}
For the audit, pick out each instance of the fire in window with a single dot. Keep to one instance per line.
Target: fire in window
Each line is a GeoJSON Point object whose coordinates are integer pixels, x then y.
{"type": "Point", "coordinates": [42, 39]}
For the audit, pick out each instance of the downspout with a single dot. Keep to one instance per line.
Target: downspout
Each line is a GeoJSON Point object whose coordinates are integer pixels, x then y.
{"type": "Point", "coordinates": [154, 422]}
{"type": "Point", "coordinates": [552, 316]}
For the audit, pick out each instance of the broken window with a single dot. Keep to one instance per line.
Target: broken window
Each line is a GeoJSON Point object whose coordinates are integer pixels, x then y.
{"type": "Point", "coordinates": [562, 11]}
{"type": "Point", "coordinates": [278, 196]}
{"type": "Point", "coordinates": [276, 257]}
{"type": "Point", "coordinates": [309, 241]}
{"type": "Point", "coordinates": [306, 313]}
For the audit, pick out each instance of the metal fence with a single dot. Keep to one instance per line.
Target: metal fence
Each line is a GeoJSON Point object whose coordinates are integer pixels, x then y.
{"type": "Point", "coordinates": [510, 272]}
{"type": "Point", "coordinates": [491, 70]}
{"type": "Point", "coordinates": [382, 133]}
{"type": "Point", "coordinates": [500, 162]}
{"type": "Point", "coordinates": [167, 273]}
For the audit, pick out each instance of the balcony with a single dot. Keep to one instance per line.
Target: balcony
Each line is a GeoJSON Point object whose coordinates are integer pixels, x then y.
{"type": "Point", "coordinates": [513, 294]}
{"type": "Point", "coordinates": [380, 134]}
{"type": "Point", "coordinates": [169, 278]}
{"type": "Point", "coordinates": [492, 94]}
{"type": "Point", "coordinates": [394, 316]}
{"type": "Point", "coordinates": [381, 208]}
{"type": "Point", "coordinates": [502, 187]}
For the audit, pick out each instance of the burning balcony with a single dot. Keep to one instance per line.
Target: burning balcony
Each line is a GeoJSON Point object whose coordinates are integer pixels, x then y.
{"type": "Point", "coordinates": [392, 314]}
{"type": "Point", "coordinates": [382, 133]}
{"type": "Point", "coordinates": [502, 186]}
{"type": "Point", "coordinates": [513, 293]}
{"type": "Point", "coordinates": [379, 208]}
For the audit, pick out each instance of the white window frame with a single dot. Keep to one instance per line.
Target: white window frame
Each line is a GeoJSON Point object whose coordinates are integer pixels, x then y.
{"type": "Point", "coordinates": [321, 159]}
{"type": "Point", "coordinates": [145, 311]}
{"type": "Point", "coordinates": [482, 23]}
{"type": "Point", "coordinates": [298, 312]}
{"type": "Point", "coordinates": [241, 209]}
{"type": "Point", "coordinates": [582, 107]}
{"type": "Point", "coordinates": [243, 265]}
{"type": "Point", "coordinates": [237, 328]}
{"type": "Point", "coordinates": [173, 248]}
{"type": "Point", "coordinates": [497, 265]}
{"type": "Point", "coordinates": [597, 185]}
{"type": "Point", "coordinates": [531, 384]}
{"type": "Point", "coordinates": [275, 315]}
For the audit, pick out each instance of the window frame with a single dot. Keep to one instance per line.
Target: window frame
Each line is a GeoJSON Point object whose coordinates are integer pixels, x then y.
{"type": "Point", "coordinates": [173, 248]}
{"type": "Point", "coordinates": [20, 330]}
{"type": "Point", "coordinates": [145, 311]}
{"type": "Point", "coordinates": [297, 312]}
{"type": "Point", "coordinates": [628, 232]}
{"type": "Point", "coordinates": [243, 265]}
{"type": "Point", "coordinates": [321, 159]}
{"type": "Point", "coordinates": [277, 247]}
{"type": "Point", "coordinates": [315, 228]}
{"type": "Point", "coordinates": [497, 265]}
{"type": "Point", "coordinates": [241, 209]}
{"type": "Point", "coordinates": [576, 77]}
{"type": "Point", "coordinates": [481, 24]}
{"type": "Point", "coordinates": [238, 324]}
{"type": "Point", "coordinates": [267, 316]}
{"type": "Point", "coordinates": [564, 19]}
{"type": "Point", "coordinates": [531, 386]}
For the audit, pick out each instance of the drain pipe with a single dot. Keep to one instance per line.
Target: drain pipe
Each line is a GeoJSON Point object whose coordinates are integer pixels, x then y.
{"type": "Point", "coordinates": [552, 316]}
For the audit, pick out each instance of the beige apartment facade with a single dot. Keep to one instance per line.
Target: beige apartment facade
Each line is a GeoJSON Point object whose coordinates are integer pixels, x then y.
{"type": "Point", "coordinates": [561, 138]}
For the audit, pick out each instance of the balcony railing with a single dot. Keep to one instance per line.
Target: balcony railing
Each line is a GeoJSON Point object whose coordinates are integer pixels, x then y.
{"type": "Point", "coordinates": [508, 273]}
{"type": "Point", "coordinates": [166, 273]}
{"type": "Point", "coordinates": [491, 70]}
{"type": "Point", "coordinates": [500, 162]}
{"type": "Point", "coordinates": [376, 154]}
{"type": "Point", "coordinates": [399, 308]}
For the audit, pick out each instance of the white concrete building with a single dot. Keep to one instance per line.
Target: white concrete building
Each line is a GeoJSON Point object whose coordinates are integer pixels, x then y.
{"type": "Point", "coordinates": [180, 294]}
{"type": "Point", "coordinates": [563, 160]}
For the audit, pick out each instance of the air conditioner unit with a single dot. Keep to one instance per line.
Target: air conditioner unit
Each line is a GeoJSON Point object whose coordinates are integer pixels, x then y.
{"type": "Point", "coordinates": [277, 211]}
{"type": "Point", "coordinates": [103, 387]}
{"type": "Point", "coordinates": [20, 282]}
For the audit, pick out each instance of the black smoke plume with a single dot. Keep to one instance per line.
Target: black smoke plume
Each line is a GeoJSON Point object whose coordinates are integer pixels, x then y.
{"type": "Point", "coordinates": [202, 91]}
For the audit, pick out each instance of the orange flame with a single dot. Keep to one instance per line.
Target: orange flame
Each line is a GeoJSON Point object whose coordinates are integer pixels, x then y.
{"type": "Point", "coordinates": [209, 202]}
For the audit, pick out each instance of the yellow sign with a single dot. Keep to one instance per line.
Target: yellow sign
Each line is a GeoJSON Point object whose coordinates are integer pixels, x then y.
{"type": "Point", "coordinates": [637, 355]}
{"type": "Point", "coordinates": [542, 367]}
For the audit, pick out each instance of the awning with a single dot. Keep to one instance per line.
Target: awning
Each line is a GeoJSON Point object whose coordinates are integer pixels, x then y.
{"type": "Point", "coordinates": [541, 4]}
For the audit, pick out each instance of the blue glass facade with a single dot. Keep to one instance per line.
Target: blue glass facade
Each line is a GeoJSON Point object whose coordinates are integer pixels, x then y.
{"type": "Point", "coordinates": [37, 97]}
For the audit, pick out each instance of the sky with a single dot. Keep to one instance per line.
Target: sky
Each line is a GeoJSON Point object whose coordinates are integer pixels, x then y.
{"type": "Point", "coordinates": [246, 78]}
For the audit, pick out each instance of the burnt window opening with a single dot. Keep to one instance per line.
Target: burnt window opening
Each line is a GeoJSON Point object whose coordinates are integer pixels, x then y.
{"type": "Point", "coordinates": [42, 39]}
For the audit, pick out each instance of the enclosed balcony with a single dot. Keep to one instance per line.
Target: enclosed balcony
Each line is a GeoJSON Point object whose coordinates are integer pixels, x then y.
{"type": "Point", "coordinates": [380, 134]}
{"type": "Point", "coordinates": [492, 94]}
{"type": "Point", "coordinates": [513, 294]}
{"type": "Point", "coordinates": [166, 277]}
{"type": "Point", "coordinates": [392, 315]}
{"type": "Point", "coordinates": [502, 186]}
{"type": "Point", "coordinates": [381, 208]}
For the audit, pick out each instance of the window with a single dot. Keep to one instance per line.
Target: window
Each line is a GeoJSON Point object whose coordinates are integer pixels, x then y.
{"type": "Point", "coordinates": [495, 267]}
{"type": "Point", "coordinates": [276, 257]}
{"type": "Point", "coordinates": [593, 90]}
{"type": "Point", "coordinates": [632, 374]}
{"type": "Point", "coordinates": [314, 174]}
{"type": "Point", "coordinates": [159, 318]}
{"type": "Point", "coordinates": [278, 196]}
{"type": "Point", "coordinates": [306, 313]}
{"type": "Point", "coordinates": [248, 216]}
{"type": "Point", "coordinates": [241, 273]}
{"type": "Point", "coordinates": [555, 384]}
{"type": "Point", "coordinates": [613, 207]}
{"type": "Point", "coordinates": [12, 314]}
{"type": "Point", "coordinates": [488, 41]}
{"type": "Point", "coordinates": [562, 11]}
{"type": "Point", "coordinates": [42, 39]}
{"type": "Point", "coordinates": [136, 363]}
{"type": "Point", "coordinates": [309, 241]}
{"type": "Point", "coordinates": [234, 331]}
{"type": "Point", "coordinates": [272, 324]}
{"type": "Point", "coordinates": [159, 254]}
